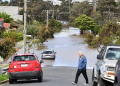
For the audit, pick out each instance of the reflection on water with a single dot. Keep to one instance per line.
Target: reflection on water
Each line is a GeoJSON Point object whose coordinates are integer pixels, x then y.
{"type": "Point", "coordinates": [67, 44]}
{"type": "Point", "coordinates": [48, 62]}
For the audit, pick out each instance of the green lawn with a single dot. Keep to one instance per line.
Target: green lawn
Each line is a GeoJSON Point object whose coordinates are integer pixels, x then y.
{"type": "Point", "coordinates": [4, 77]}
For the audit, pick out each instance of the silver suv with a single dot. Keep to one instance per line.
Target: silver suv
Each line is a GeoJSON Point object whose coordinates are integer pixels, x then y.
{"type": "Point", "coordinates": [48, 54]}
{"type": "Point", "coordinates": [103, 71]}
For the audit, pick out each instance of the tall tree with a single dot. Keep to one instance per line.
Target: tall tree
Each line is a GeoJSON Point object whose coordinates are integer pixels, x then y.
{"type": "Point", "coordinates": [96, 16]}
{"type": "Point", "coordinates": [107, 8]}
{"type": "Point", "coordinates": [78, 9]}
{"type": "Point", "coordinates": [84, 22]}
{"type": "Point", "coordinates": [64, 10]}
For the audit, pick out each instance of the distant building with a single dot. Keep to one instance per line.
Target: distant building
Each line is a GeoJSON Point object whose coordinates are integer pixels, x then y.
{"type": "Point", "coordinates": [13, 11]}
{"type": "Point", "coordinates": [117, 0]}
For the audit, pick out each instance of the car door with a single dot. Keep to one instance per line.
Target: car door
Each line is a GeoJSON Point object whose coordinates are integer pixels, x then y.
{"type": "Point", "coordinates": [100, 61]}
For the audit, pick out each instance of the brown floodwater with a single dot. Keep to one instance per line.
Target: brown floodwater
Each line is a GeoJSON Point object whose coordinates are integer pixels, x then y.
{"type": "Point", "coordinates": [67, 44]}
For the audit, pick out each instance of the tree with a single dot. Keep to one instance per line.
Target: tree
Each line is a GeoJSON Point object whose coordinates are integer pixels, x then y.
{"type": "Point", "coordinates": [106, 5]}
{"type": "Point", "coordinates": [64, 11]}
{"type": "Point", "coordinates": [84, 22]}
{"type": "Point", "coordinates": [32, 30]}
{"type": "Point", "coordinates": [6, 46]}
{"type": "Point", "coordinates": [96, 16]}
{"type": "Point", "coordinates": [108, 33]}
{"type": "Point", "coordinates": [6, 17]}
{"type": "Point", "coordinates": [54, 24]}
{"type": "Point", "coordinates": [107, 9]}
{"type": "Point", "coordinates": [43, 33]}
{"type": "Point", "coordinates": [78, 9]}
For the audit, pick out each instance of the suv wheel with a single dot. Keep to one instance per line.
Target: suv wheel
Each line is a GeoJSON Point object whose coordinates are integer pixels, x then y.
{"type": "Point", "coordinates": [93, 81]}
{"type": "Point", "coordinates": [40, 78]}
{"type": "Point", "coordinates": [11, 81]}
{"type": "Point", "coordinates": [115, 83]}
{"type": "Point", "coordinates": [101, 82]}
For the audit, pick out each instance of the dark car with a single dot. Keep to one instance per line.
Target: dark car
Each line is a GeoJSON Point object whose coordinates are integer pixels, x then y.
{"type": "Point", "coordinates": [25, 66]}
{"type": "Point", "coordinates": [117, 74]}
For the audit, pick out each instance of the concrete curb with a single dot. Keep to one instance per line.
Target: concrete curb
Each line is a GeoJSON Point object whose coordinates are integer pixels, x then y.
{"type": "Point", "coordinates": [3, 82]}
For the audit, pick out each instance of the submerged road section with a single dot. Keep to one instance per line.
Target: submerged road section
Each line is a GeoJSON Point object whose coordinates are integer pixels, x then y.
{"type": "Point", "coordinates": [56, 76]}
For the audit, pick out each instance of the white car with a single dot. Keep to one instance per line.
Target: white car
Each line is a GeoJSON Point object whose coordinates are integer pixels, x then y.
{"type": "Point", "coordinates": [48, 54]}
{"type": "Point", "coordinates": [103, 71]}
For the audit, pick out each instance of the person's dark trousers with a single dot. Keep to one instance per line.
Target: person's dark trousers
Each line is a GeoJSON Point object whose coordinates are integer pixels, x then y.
{"type": "Point", "coordinates": [78, 74]}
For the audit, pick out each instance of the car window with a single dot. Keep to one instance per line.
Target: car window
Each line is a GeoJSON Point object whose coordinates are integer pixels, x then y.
{"type": "Point", "coordinates": [24, 58]}
{"type": "Point", "coordinates": [113, 53]}
{"type": "Point", "coordinates": [47, 52]}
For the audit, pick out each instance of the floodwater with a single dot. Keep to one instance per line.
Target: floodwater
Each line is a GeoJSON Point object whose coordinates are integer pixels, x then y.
{"type": "Point", "coordinates": [67, 44]}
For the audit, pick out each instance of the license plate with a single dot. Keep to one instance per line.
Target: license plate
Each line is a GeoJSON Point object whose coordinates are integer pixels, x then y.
{"type": "Point", "coordinates": [24, 65]}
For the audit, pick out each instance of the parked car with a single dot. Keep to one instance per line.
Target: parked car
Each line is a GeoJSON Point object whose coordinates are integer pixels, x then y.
{"type": "Point", "coordinates": [25, 66]}
{"type": "Point", "coordinates": [103, 71]}
{"type": "Point", "coordinates": [48, 54]}
{"type": "Point", "coordinates": [117, 74]}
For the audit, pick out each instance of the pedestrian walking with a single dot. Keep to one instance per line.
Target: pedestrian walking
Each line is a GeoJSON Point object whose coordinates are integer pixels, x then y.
{"type": "Point", "coordinates": [81, 68]}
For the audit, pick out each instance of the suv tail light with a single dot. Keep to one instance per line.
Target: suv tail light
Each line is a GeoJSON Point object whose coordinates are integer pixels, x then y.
{"type": "Point", "coordinates": [53, 54]}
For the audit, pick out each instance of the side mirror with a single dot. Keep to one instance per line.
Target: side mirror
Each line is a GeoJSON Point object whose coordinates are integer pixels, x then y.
{"type": "Point", "coordinates": [55, 52]}
{"type": "Point", "coordinates": [10, 62]}
{"type": "Point", "coordinates": [41, 61]}
{"type": "Point", "coordinates": [99, 57]}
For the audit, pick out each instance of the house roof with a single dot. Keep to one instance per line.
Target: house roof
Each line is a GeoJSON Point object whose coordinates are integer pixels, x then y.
{"type": "Point", "coordinates": [6, 25]}
{"type": "Point", "coordinates": [1, 19]}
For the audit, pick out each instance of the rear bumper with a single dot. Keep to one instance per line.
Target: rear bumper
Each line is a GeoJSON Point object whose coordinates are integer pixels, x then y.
{"type": "Point", "coordinates": [25, 75]}
{"type": "Point", "coordinates": [48, 57]}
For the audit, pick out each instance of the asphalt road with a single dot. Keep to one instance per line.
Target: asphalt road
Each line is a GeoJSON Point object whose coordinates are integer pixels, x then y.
{"type": "Point", "coordinates": [55, 76]}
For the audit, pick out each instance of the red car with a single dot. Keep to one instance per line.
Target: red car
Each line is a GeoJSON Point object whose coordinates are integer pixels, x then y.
{"type": "Point", "coordinates": [25, 66]}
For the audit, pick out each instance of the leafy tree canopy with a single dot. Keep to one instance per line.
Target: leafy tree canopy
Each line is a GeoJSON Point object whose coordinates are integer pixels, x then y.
{"type": "Point", "coordinates": [79, 9]}
{"type": "Point", "coordinates": [106, 5]}
{"type": "Point", "coordinates": [6, 17]}
{"type": "Point", "coordinates": [84, 22]}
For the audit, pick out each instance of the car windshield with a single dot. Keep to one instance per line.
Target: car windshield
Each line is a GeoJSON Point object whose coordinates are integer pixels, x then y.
{"type": "Point", "coordinates": [24, 58]}
{"type": "Point", "coordinates": [47, 52]}
{"type": "Point", "coordinates": [113, 53]}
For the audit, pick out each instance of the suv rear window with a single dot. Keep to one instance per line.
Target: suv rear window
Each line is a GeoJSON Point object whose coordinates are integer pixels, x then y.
{"type": "Point", "coordinates": [47, 52]}
{"type": "Point", "coordinates": [24, 58]}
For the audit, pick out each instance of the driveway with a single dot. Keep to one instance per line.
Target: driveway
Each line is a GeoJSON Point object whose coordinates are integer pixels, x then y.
{"type": "Point", "coordinates": [56, 76]}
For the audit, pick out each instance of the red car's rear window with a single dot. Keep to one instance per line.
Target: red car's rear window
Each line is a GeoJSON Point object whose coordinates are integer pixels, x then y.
{"type": "Point", "coordinates": [24, 58]}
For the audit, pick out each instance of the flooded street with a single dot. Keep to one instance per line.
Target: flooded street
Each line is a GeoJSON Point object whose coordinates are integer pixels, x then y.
{"type": "Point", "coordinates": [67, 44]}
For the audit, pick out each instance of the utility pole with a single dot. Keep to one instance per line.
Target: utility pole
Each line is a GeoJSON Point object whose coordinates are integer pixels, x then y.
{"type": "Point", "coordinates": [25, 25]}
{"type": "Point", "coordinates": [47, 18]}
{"type": "Point", "coordinates": [69, 6]}
{"type": "Point", "coordinates": [95, 5]}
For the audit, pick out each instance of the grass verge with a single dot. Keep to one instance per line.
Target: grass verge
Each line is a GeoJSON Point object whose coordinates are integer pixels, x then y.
{"type": "Point", "coordinates": [4, 77]}
{"type": "Point", "coordinates": [4, 66]}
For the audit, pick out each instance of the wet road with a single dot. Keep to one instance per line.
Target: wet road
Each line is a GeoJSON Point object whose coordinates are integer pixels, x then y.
{"type": "Point", "coordinates": [67, 44]}
{"type": "Point", "coordinates": [55, 76]}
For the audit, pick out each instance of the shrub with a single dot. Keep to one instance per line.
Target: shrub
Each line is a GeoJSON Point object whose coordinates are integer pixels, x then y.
{"type": "Point", "coordinates": [97, 29]}
{"type": "Point", "coordinates": [90, 37]}
{"type": "Point", "coordinates": [17, 36]}
{"type": "Point", "coordinates": [117, 41]}
{"type": "Point", "coordinates": [54, 24]}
